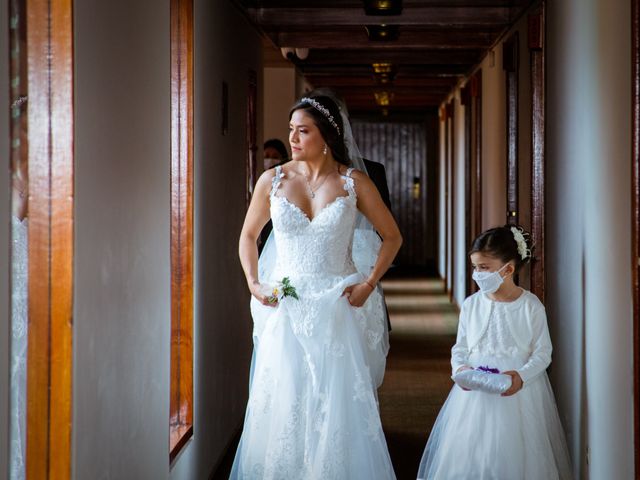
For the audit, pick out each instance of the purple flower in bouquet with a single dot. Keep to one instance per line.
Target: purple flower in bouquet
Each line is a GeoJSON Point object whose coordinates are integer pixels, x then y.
{"type": "Point", "coordinates": [488, 369]}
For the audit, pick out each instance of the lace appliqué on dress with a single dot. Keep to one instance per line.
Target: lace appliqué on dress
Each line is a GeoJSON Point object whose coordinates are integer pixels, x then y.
{"type": "Point", "coordinates": [497, 339]}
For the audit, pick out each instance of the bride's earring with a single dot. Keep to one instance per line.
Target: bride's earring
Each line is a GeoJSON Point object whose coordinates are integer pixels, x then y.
{"type": "Point", "coordinates": [324, 150]}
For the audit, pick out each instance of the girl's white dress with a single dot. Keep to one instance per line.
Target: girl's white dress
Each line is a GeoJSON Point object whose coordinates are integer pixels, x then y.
{"type": "Point", "coordinates": [312, 412]}
{"type": "Point", "coordinates": [484, 436]}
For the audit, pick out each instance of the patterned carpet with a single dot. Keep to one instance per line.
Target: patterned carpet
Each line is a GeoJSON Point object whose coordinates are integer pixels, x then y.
{"type": "Point", "coordinates": [417, 379]}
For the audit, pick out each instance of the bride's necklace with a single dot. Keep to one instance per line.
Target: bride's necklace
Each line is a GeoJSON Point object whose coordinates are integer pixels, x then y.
{"type": "Point", "coordinates": [312, 191]}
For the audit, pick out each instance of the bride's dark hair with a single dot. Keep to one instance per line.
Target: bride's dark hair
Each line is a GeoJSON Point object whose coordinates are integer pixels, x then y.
{"type": "Point", "coordinates": [332, 133]}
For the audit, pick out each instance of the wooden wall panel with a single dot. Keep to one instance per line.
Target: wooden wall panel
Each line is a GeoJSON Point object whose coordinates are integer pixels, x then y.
{"type": "Point", "coordinates": [252, 134]}
{"type": "Point", "coordinates": [50, 134]}
{"type": "Point", "coordinates": [181, 399]}
{"type": "Point", "coordinates": [536, 49]}
{"type": "Point", "coordinates": [510, 65]}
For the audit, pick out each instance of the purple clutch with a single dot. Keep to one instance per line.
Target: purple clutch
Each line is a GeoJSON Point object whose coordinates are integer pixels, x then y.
{"type": "Point", "coordinates": [484, 381]}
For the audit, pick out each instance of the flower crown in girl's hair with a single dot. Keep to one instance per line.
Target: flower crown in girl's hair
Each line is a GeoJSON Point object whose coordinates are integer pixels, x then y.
{"type": "Point", "coordinates": [519, 236]}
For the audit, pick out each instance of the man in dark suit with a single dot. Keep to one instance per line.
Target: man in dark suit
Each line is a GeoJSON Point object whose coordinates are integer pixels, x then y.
{"type": "Point", "coordinates": [378, 176]}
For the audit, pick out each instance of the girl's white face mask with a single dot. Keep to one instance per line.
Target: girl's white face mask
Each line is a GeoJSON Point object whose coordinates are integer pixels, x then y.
{"type": "Point", "coordinates": [489, 282]}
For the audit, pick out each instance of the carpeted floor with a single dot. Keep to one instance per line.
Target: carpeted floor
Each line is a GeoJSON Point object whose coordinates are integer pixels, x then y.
{"type": "Point", "coordinates": [417, 379]}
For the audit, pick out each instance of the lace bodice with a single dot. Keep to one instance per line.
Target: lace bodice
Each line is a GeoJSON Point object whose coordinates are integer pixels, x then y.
{"type": "Point", "coordinates": [497, 340]}
{"type": "Point", "coordinates": [319, 247]}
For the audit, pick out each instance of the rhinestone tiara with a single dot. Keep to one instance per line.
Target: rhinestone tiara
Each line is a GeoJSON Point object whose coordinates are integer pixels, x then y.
{"type": "Point", "coordinates": [323, 110]}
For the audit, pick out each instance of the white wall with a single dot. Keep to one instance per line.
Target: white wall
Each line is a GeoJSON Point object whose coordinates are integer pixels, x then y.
{"type": "Point", "coordinates": [122, 277]}
{"type": "Point", "coordinates": [223, 324]}
{"type": "Point", "coordinates": [565, 256]}
{"type": "Point", "coordinates": [494, 157]}
{"type": "Point", "coordinates": [607, 198]}
{"type": "Point", "coordinates": [588, 237]}
{"type": "Point", "coordinates": [589, 296]}
{"type": "Point", "coordinates": [5, 233]}
{"type": "Point", "coordinates": [122, 268]}
{"type": "Point", "coordinates": [279, 96]}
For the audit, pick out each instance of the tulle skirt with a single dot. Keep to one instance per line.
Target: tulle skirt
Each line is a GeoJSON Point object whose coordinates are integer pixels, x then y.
{"type": "Point", "coordinates": [312, 410]}
{"type": "Point", "coordinates": [485, 436]}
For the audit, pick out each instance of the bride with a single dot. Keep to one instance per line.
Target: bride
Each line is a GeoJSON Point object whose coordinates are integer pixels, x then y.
{"type": "Point", "coordinates": [319, 354]}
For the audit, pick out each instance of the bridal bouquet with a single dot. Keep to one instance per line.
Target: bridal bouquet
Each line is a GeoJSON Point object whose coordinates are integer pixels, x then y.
{"type": "Point", "coordinates": [282, 289]}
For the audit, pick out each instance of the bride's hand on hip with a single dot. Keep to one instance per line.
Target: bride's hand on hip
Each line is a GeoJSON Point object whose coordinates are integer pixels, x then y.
{"type": "Point", "coordinates": [357, 294]}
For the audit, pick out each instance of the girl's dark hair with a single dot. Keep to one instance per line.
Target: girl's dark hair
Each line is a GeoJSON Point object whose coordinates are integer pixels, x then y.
{"type": "Point", "coordinates": [279, 146]}
{"type": "Point", "coordinates": [500, 243]}
{"type": "Point", "coordinates": [331, 135]}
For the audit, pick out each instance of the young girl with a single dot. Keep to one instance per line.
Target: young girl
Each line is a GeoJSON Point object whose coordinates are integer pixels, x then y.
{"type": "Point", "coordinates": [518, 434]}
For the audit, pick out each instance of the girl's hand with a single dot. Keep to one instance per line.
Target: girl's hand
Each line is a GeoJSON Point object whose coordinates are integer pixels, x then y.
{"type": "Point", "coordinates": [257, 290]}
{"type": "Point", "coordinates": [357, 294]}
{"type": "Point", "coordinates": [516, 383]}
{"type": "Point", "coordinates": [462, 369]}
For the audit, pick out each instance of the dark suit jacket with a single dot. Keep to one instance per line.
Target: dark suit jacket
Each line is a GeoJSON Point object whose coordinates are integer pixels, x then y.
{"type": "Point", "coordinates": [378, 176]}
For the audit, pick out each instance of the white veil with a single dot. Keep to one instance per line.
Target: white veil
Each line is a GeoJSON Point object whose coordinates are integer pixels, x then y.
{"type": "Point", "coordinates": [366, 242]}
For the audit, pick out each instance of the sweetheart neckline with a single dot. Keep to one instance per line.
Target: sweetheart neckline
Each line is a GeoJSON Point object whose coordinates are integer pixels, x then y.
{"type": "Point", "coordinates": [304, 214]}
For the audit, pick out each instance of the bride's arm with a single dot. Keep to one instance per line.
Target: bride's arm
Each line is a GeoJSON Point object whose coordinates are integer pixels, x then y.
{"type": "Point", "coordinates": [371, 205]}
{"type": "Point", "coordinates": [256, 218]}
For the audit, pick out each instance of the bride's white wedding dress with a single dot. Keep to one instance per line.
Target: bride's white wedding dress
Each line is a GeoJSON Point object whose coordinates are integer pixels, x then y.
{"type": "Point", "coordinates": [312, 412]}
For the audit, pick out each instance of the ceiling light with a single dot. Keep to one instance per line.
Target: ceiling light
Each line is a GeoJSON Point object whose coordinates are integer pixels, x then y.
{"type": "Point", "coordinates": [383, 98]}
{"type": "Point", "coordinates": [383, 32]}
{"type": "Point", "coordinates": [384, 73]}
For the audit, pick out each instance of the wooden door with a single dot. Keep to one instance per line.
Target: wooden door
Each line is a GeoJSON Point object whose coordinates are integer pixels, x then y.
{"type": "Point", "coordinates": [536, 52]}
{"type": "Point", "coordinates": [402, 148]}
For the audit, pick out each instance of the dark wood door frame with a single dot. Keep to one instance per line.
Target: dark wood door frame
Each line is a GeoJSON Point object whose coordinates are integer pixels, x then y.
{"type": "Point", "coordinates": [450, 196]}
{"type": "Point", "coordinates": [467, 101]}
{"type": "Point", "coordinates": [442, 168]}
{"type": "Point", "coordinates": [510, 61]}
{"type": "Point", "coordinates": [252, 134]}
{"type": "Point", "coordinates": [476, 162]}
{"type": "Point", "coordinates": [635, 221]}
{"type": "Point", "coordinates": [476, 99]}
{"type": "Point", "coordinates": [537, 54]}
{"type": "Point", "coordinates": [50, 249]}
